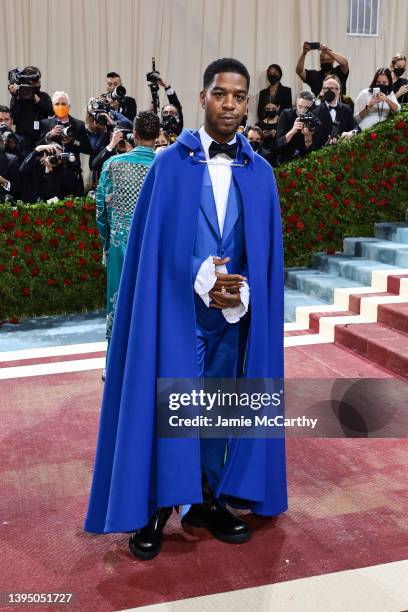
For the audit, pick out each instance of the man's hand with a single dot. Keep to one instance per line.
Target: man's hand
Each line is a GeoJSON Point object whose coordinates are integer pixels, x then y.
{"type": "Point", "coordinates": [162, 82]}
{"type": "Point", "coordinates": [224, 300]}
{"type": "Point", "coordinates": [325, 49]}
{"type": "Point", "coordinates": [55, 132]}
{"type": "Point", "coordinates": [226, 283]}
{"type": "Point", "coordinates": [402, 90]}
{"type": "Point", "coordinates": [50, 149]}
{"type": "Point", "coordinates": [117, 136]}
{"type": "Point", "coordinates": [306, 48]}
{"type": "Point", "coordinates": [3, 181]}
{"type": "Point", "coordinates": [346, 135]}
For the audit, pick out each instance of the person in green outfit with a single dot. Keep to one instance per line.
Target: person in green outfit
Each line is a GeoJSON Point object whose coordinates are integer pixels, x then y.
{"type": "Point", "coordinates": [116, 197]}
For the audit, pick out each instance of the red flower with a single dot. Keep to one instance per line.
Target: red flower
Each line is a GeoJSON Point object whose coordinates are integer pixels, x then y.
{"type": "Point", "coordinates": [322, 187]}
{"type": "Point", "coordinates": [347, 167]}
{"type": "Point", "coordinates": [30, 261]}
{"type": "Point", "coordinates": [67, 282]}
{"type": "Point", "coordinates": [372, 200]}
{"type": "Point", "coordinates": [26, 291]}
{"type": "Point", "coordinates": [16, 269]}
{"type": "Point", "coordinates": [26, 218]}
{"type": "Point", "coordinates": [2, 267]}
{"type": "Point", "coordinates": [69, 204]}
{"type": "Point", "coordinates": [351, 181]}
{"type": "Point", "coordinates": [59, 211]}
{"type": "Point", "coordinates": [35, 271]}
{"type": "Point", "coordinates": [70, 253]}
{"type": "Point", "coordinates": [319, 238]}
{"type": "Point", "coordinates": [381, 203]}
{"type": "Point", "coordinates": [335, 221]}
{"type": "Point", "coordinates": [37, 236]}
{"type": "Point", "coordinates": [339, 177]}
{"type": "Point", "coordinates": [309, 190]}
{"type": "Point", "coordinates": [329, 196]}
{"type": "Point", "coordinates": [401, 150]}
{"type": "Point", "coordinates": [39, 221]}
{"type": "Point", "coordinates": [292, 219]}
{"type": "Point", "coordinates": [71, 237]}
{"type": "Point", "coordinates": [358, 205]}
{"type": "Point", "coordinates": [335, 204]}
{"type": "Point", "coordinates": [95, 244]}
{"type": "Point", "coordinates": [321, 225]}
{"type": "Point", "coordinates": [292, 184]}
{"type": "Point", "coordinates": [369, 145]}
{"type": "Point", "coordinates": [8, 225]}
{"type": "Point", "coordinates": [300, 225]}
{"type": "Point", "coordinates": [298, 171]}
{"type": "Point", "coordinates": [82, 246]}
{"type": "Point", "coordinates": [400, 125]}
{"type": "Point", "coordinates": [51, 282]}
{"type": "Point", "coordinates": [283, 175]}
{"type": "Point", "coordinates": [309, 176]}
{"type": "Point", "coordinates": [49, 221]}
{"type": "Point", "coordinates": [92, 230]}
{"type": "Point", "coordinates": [373, 135]}
{"type": "Point", "coordinates": [9, 242]}
{"type": "Point", "coordinates": [96, 273]}
{"type": "Point", "coordinates": [27, 248]}
{"type": "Point", "coordinates": [14, 252]}
{"type": "Point", "coordinates": [44, 256]}
{"type": "Point", "coordinates": [82, 261]}
{"type": "Point", "coordinates": [19, 234]}
{"type": "Point", "coordinates": [59, 230]}
{"type": "Point", "coordinates": [84, 277]}
{"type": "Point", "coordinates": [54, 242]}
{"type": "Point", "coordinates": [96, 257]}
{"type": "Point", "coordinates": [15, 213]}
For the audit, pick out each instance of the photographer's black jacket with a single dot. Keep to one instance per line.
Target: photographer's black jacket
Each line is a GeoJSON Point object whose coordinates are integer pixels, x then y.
{"type": "Point", "coordinates": [60, 182]}
{"type": "Point", "coordinates": [128, 107]}
{"type": "Point", "coordinates": [173, 99]}
{"type": "Point", "coordinates": [25, 113]}
{"type": "Point", "coordinates": [9, 165]}
{"type": "Point", "coordinates": [344, 116]}
{"type": "Point", "coordinates": [81, 142]}
{"type": "Point", "coordinates": [295, 147]}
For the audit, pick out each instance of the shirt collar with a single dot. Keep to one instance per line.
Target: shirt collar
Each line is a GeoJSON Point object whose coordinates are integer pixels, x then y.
{"type": "Point", "coordinates": [206, 141]}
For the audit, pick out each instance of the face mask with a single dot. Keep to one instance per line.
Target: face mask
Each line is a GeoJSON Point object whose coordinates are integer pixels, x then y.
{"type": "Point", "coordinates": [271, 114]}
{"type": "Point", "coordinates": [326, 66]}
{"type": "Point", "coordinates": [60, 110]}
{"type": "Point", "coordinates": [254, 144]}
{"type": "Point", "coordinates": [274, 78]}
{"type": "Point", "coordinates": [329, 96]}
{"type": "Point", "coordinates": [383, 88]}
{"type": "Point", "coordinates": [399, 71]}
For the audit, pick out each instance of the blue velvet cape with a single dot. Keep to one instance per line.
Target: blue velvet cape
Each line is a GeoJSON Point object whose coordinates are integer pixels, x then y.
{"type": "Point", "coordinates": [154, 336]}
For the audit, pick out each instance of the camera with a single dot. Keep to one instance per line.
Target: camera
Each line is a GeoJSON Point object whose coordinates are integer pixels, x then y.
{"type": "Point", "coordinates": [98, 107]}
{"type": "Point", "coordinates": [118, 93]}
{"type": "Point", "coordinates": [336, 130]}
{"type": "Point", "coordinates": [23, 81]}
{"type": "Point", "coordinates": [127, 136]}
{"type": "Point", "coordinates": [154, 75]}
{"type": "Point", "coordinates": [170, 125]}
{"type": "Point", "coordinates": [62, 158]}
{"type": "Point", "coordinates": [7, 134]}
{"type": "Point", "coordinates": [309, 120]}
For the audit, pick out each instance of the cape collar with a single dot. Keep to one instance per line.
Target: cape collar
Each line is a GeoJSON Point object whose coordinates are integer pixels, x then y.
{"type": "Point", "coordinates": [190, 139]}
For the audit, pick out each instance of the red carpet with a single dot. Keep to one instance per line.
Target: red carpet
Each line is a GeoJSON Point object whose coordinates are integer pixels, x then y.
{"type": "Point", "coordinates": [348, 509]}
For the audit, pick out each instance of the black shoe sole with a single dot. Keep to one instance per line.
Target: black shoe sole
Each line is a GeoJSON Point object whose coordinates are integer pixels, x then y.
{"type": "Point", "coordinates": [143, 555]}
{"type": "Point", "coordinates": [239, 538]}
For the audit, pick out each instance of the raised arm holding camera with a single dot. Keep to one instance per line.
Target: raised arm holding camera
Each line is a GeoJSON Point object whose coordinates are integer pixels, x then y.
{"type": "Point", "coordinates": [314, 78]}
{"type": "Point", "coordinates": [28, 105]}
{"type": "Point", "coordinates": [117, 98]}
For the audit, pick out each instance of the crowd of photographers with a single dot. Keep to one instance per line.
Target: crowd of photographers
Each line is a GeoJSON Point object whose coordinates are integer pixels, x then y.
{"type": "Point", "coordinates": [41, 143]}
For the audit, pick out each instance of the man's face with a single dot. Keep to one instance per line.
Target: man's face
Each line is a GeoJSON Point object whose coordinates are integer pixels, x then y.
{"type": "Point", "coordinates": [6, 118]}
{"type": "Point", "coordinates": [302, 105]}
{"type": "Point", "coordinates": [112, 82]}
{"type": "Point", "coordinates": [254, 136]}
{"type": "Point", "coordinates": [225, 103]}
{"type": "Point", "coordinates": [169, 111]}
{"type": "Point", "coordinates": [332, 85]}
{"type": "Point", "coordinates": [325, 58]}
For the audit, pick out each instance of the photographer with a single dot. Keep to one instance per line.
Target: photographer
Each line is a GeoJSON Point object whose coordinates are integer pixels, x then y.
{"type": "Point", "coordinates": [255, 138]}
{"type": "Point", "coordinates": [116, 95]}
{"type": "Point", "coordinates": [122, 141]}
{"type": "Point", "coordinates": [299, 130]}
{"type": "Point", "coordinates": [336, 117]}
{"type": "Point", "coordinates": [171, 114]}
{"type": "Point", "coordinates": [378, 102]}
{"type": "Point", "coordinates": [314, 78]}
{"type": "Point", "coordinates": [50, 172]}
{"type": "Point", "coordinates": [62, 127]}
{"type": "Point", "coordinates": [9, 183]}
{"type": "Point", "coordinates": [28, 105]}
{"type": "Point", "coordinates": [12, 141]}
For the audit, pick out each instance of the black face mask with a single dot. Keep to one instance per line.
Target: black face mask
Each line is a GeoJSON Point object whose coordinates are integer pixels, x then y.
{"type": "Point", "coordinates": [385, 89]}
{"type": "Point", "coordinates": [399, 71]}
{"type": "Point", "coordinates": [271, 114]}
{"type": "Point", "coordinates": [329, 96]}
{"type": "Point", "coordinates": [326, 66]}
{"type": "Point", "coordinates": [255, 145]}
{"type": "Point", "coordinates": [274, 78]}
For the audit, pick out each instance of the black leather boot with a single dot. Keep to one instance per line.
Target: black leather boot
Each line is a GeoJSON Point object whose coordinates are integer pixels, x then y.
{"type": "Point", "coordinates": [219, 521]}
{"type": "Point", "coordinates": [145, 543]}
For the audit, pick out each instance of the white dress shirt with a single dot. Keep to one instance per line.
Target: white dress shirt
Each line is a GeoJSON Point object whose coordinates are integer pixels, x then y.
{"type": "Point", "coordinates": [220, 175]}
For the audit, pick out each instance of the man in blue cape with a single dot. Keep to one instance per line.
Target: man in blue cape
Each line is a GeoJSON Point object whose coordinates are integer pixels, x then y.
{"type": "Point", "coordinates": [201, 295]}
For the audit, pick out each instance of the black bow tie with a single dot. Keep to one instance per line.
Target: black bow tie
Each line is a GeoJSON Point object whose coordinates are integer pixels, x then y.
{"type": "Point", "coordinates": [222, 147]}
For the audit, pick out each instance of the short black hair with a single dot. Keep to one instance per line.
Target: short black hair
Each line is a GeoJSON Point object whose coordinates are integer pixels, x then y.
{"type": "Point", "coordinates": [386, 72]}
{"type": "Point", "coordinates": [32, 71]}
{"type": "Point", "coordinates": [112, 75]}
{"type": "Point", "coordinates": [277, 67]}
{"type": "Point", "coordinates": [253, 128]}
{"type": "Point", "coordinates": [147, 125]}
{"type": "Point", "coordinates": [225, 64]}
{"type": "Point", "coordinates": [4, 109]}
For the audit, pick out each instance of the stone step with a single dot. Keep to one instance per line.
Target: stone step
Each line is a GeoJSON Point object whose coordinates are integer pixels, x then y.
{"type": "Point", "coordinates": [394, 316]}
{"type": "Point", "coordinates": [348, 266]}
{"type": "Point", "coordinates": [396, 232]}
{"type": "Point", "coordinates": [385, 251]}
{"type": "Point", "coordinates": [295, 298]}
{"type": "Point", "coordinates": [320, 285]}
{"type": "Point", "coordinates": [378, 343]}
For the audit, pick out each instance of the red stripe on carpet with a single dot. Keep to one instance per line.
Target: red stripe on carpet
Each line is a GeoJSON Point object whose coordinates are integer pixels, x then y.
{"type": "Point", "coordinates": [53, 359]}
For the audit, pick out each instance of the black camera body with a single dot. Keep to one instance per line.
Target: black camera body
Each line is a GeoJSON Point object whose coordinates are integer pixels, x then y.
{"type": "Point", "coordinates": [309, 120]}
{"type": "Point", "coordinates": [99, 107]}
{"type": "Point", "coordinates": [127, 135]}
{"type": "Point", "coordinates": [23, 81]}
{"type": "Point", "coordinates": [7, 134]}
{"type": "Point", "coordinates": [335, 130]}
{"type": "Point", "coordinates": [65, 159]}
{"type": "Point", "coordinates": [118, 93]}
{"type": "Point", "coordinates": [153, 76]}
{"type": "Point", "coordinates": [170, 125]}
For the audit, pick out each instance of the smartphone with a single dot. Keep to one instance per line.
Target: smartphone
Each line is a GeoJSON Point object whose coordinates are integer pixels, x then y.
{"type": "Point", "coordinates": [376, 91]}
{"type": "Point", "coordinates": [314, 45]}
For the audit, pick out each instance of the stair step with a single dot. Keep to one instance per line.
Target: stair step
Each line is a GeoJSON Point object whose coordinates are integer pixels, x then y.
{"type": "Point", "coordinates": [394, 316]}
{"type": "Point", "coordinates": [397, 232]}
{"type": "Point", "coordinates": [393, 253]}
{"type": "Point", "coordinates": [378, 343]}
{"type": "Point", "coordinates": [320, 285]}
{"type": "Point", "coordinates": [348, 266]}
{"type": "Point", "coordinates": [394, 282]}
{"type": "Point", "coordinates": [295, 298]}
{"type": "Point", "coordinates": [352, 246]}
{"type": "Point", "coordinates": [314, 318]}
